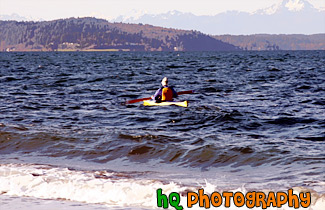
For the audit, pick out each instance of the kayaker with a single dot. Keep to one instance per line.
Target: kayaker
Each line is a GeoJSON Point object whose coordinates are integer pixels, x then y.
{"type": "Point", "coordinates": [165, 93]}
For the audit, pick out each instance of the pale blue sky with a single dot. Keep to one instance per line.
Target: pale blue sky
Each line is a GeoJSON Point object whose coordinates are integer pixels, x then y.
{"type": "Point", "coordinates": [54, 9]}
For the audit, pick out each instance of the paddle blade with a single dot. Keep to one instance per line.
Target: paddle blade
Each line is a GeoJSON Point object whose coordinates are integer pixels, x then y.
{"type": "Point", "coordinates": [185, 92]}
{"type": "Point", "coordinates": [137, 100]}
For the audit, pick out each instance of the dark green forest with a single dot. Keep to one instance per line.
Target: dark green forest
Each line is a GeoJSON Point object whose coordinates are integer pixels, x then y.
{"type": "Point", "coordinates": [82, 34]}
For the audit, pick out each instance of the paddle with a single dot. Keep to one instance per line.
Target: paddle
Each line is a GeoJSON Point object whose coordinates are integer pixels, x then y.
{"type": "Point", "coordinates": [143, 99]}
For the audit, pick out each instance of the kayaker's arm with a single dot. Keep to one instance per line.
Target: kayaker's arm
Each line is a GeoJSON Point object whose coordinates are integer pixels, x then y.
{"type": "Point", "coordinates": [175, 95]}
{"type": "Point", "coordinates": [158, 92]}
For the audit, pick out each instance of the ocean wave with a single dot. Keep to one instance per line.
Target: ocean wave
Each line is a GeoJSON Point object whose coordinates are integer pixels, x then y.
{"type": "Point", "coordinates": [204, 152]}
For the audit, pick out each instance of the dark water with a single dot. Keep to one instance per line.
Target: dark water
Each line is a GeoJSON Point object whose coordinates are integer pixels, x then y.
{"type": "Point", "coordinates": [257, 118]}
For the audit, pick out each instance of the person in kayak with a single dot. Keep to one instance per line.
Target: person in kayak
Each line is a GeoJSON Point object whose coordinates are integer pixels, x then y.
{"type": "Point", "coordinates": [164, 93]}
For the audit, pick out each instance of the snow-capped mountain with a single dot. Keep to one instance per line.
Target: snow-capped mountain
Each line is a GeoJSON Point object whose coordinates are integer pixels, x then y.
{"type": "Point", "coordinates": [13, 17]}
{"type": "Point", "coordinates": [288, 17]}
{"type": "Point", "coordinates": [17, 17]}
{"type": "Point", "coordinates": [288, 5]}
{"type": "Point", "coordinates": [296, 5]}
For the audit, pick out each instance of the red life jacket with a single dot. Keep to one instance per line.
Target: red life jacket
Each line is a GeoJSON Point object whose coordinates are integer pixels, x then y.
{"type": "Point", "coordinates": [167, 94]}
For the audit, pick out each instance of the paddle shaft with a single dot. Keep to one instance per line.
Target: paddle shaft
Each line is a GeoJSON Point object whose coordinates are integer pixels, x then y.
{"type": "Point", "coordinates": [143, 99]}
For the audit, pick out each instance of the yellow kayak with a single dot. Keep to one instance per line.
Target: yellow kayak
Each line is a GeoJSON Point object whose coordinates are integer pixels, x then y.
{"type": "Point", "coordinates": [165, 103]}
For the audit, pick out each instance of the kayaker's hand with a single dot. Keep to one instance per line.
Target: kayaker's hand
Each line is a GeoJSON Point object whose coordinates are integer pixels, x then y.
{"type": "Point", "coordinates": [152, 96]}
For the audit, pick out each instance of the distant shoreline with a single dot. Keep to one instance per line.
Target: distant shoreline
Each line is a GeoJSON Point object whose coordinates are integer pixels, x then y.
{"type": "Point", "coordinates": [98, 35]}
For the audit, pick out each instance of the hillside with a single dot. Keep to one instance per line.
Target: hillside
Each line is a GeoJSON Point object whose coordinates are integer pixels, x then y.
{"type": "Point", "coordinates": [276, 42]}
{"type": "Point", "coordinates": [82, 34]}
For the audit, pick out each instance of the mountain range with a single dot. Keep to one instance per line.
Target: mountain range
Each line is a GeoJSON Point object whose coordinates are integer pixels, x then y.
{"type": "Point", "coordinates": [288, 17]}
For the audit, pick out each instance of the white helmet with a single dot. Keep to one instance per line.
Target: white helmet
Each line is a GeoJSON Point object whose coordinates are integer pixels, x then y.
{"type": "Point", "coordinates": [164, 81]}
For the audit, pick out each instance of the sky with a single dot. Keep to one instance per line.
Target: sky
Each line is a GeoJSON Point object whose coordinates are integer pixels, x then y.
{"type": "Point", "coordinates": [109, 9]}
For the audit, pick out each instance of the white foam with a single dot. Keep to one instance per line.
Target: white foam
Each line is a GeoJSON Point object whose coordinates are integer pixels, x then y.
{"type": "Point", "coordinates": [58, 183]}
{"type": "Point", "coordinates": [107, 188]}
